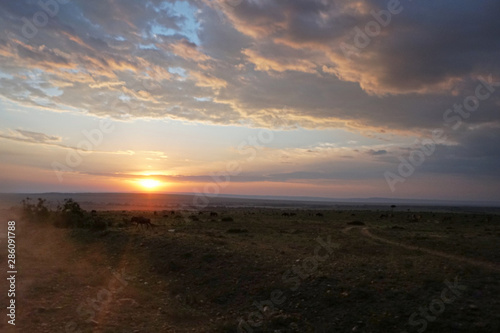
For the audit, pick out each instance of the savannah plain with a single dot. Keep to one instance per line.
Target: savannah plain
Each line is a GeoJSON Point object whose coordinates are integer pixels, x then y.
{"type": "Point", "coordinates": [248, 269]}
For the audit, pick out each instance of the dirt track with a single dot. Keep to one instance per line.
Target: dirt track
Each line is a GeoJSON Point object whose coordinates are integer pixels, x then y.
{"type": "Point", "coordinates": [483, 264]}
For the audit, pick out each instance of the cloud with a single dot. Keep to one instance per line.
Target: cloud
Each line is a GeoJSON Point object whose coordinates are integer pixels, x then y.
{"type": "Point", "coordinates": [188, 50]}
{"type": "Point", "coordinates": [273, 63]}
{"type": "Point", "coordinates": [25, 136]}
{"type": "Point", "coordinates": [377, 152]}
{"type": "Point", "coordinates": [264, 56]}
{"type": "Point", "coordinates": [39, 137]}
{"type": "Point", "coordinates": [279, 64]}
{"type": "Point", "coordinates": [403, 57]}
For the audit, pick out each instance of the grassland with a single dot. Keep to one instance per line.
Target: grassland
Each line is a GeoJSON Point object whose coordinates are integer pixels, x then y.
{"type": "Point", "coordinates": [260, 270]}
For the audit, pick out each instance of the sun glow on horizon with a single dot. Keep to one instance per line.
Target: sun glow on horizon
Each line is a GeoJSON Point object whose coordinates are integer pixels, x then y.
{"type": "Point", "coordinates": [150, 184]}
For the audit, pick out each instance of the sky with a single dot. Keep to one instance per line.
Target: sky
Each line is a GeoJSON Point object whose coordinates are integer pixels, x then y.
{"type": "Point", "coordinates": [323, 98]}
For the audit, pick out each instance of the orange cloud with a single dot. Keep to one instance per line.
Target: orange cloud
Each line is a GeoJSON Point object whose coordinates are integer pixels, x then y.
{"type": "Point", "coordinates": [279, 65]}
{"type": "Point", "coordinates": [188, 51]}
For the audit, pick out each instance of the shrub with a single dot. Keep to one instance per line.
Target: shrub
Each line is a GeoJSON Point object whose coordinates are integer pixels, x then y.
{"type": "Point", "coordinates": [67, 215]}
{"type": "Point", "coordinates": [71, 215]}
{"type": "Point", "coordinates": [38, 212]}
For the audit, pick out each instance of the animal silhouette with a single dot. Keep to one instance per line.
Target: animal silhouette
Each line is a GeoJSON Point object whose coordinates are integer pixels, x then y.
{"type": "Point", "coordinates": [140, 220]}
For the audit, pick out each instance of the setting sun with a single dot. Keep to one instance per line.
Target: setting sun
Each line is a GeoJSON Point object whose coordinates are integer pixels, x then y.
{"type": "Point", "coordinates": [149, 184]}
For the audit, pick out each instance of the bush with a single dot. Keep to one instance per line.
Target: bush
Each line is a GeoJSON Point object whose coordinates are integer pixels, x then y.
{"type": "Point", "coordinates": [71, 215]}
{"type": "Point", "coordinates": [68, 215]}
{"type": "Point", "coordinates": [227, 219]}
{"type": "Point", "coordinates": [38, 212]}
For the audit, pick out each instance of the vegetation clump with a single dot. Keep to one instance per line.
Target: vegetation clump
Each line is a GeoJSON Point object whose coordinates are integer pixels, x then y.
{"type": "Point", "coordinates": [38, 212]}
{"type": "Point", "coordinates": [67, 215]}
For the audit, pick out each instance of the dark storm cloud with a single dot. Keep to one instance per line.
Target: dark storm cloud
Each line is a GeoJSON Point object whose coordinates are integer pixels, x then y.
{"type": "Point", "coordinates": [432, 42]}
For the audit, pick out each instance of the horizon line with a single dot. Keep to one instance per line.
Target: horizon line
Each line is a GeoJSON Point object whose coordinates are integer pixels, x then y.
{"type": "Point", "coordinates": [372, 200]}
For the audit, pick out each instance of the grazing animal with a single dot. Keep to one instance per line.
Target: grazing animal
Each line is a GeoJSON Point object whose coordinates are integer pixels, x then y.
{"type": "Point", "coordinates": [319, 214]}
{"type": "Point", "coordinates": [213, 214]}
{"type": "Point", "coordinates": [139, 220]}
{"type": "Point", "coordinates": [285, 214]}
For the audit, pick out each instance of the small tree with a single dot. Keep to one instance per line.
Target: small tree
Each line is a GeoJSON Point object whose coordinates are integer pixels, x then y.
{"type": "Point", "coordinates": [70, 214]}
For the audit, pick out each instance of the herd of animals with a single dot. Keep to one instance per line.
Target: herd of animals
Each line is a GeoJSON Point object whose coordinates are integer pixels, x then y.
{"type": "Point", "coordinates": [143, 222]}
